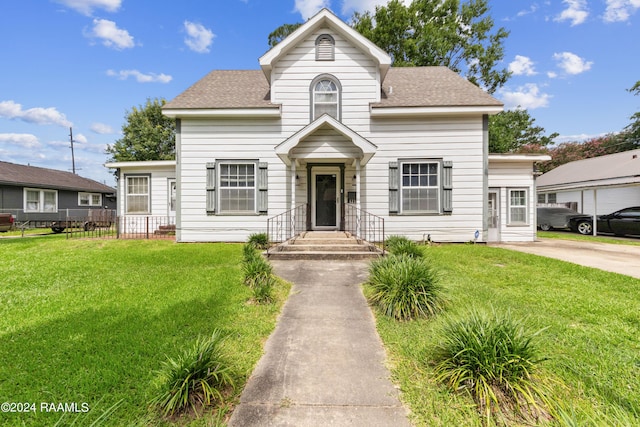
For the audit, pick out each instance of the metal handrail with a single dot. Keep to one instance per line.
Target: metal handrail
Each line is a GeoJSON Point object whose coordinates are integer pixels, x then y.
{"type": "Point", "coordinates": [287, 225]}
{"type": "Point", "coordinates": [364, 225]}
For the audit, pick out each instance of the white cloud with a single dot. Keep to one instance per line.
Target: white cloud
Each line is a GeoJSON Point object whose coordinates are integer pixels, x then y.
{"type": "Point", "coordinates": [522, 65]}
{"type": "Point", "coordinates": [101, 129]}
{"type": "Point", "coordinates": [140, 77]}
{"type": "Point", "coordinates": [577, 138]}
{"type": "Point", "coordinates": [527, 96]}
{"type": "Point", "coordinates": [576, 12]}
{"type": "Point", "coordinates": [620, 10]}
{"type": "Point", "coordinates": [308, 8]}
{"type": "Point", "coordinates": [552, 75]}
{"type": "Point", "coordinates": [80, 138]}
{"type": "Point", "coordinates": [198, 38]}
{"type": "Point", "coordinates": [364, 5]}
{"type": "Point", "coordinates": [86, 7]}
{"type": "Point", "coordinates": [25, 140]}
{"type": "Point", "coordinates": [524, 12]}
{"type": "Point", "coordinates": [572, 63]}
{"type": "Point", "coordinates": [111, 35]}
{"type": "Point", "coordinates": [38, 115]}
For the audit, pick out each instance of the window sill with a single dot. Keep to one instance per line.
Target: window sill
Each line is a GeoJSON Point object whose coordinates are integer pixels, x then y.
{"type": "Point", "coordinates": [518, 225]}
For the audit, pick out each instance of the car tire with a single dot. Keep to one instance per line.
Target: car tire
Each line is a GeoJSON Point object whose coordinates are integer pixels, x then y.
{"type": "Point", "coordinates": [57, 229]}
{"type": "Point", "coordinates": [89, 226]}
{"type": "Point", "coordinates": [545, 227]}
{"type": "Point", "coordinates": [585, 228]}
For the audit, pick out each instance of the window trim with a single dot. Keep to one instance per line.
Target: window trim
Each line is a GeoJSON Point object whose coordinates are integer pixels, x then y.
{"type": "Point", "coordinates": [219, 210]}
{"type": "Point", "coordinates": [90, 195]}
{"type": "Point", "coordinates": [312, 92]}
{"type": "Point", "coordinates": [438, 187]}
{"type": "Point", "coordinates": [41, 200]}
{"type": "Point", "coordinates": [126, 194]}
{"type": "Point", "coordinates": [527, 208]}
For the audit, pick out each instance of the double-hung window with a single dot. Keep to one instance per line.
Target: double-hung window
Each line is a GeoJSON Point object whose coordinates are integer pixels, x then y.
{"type": "Point", "coordinates": [518, 206]}
{"type": "Point", "coordinates": [236, 187]}
{"type": "Point", "coordinates": [237, 192]}
{"type": "Point", "coordinates": [36, 200]}
{"type": "Point", "coordinates": [420, 187]}
{"type": "Point", "coordinates": [137, 192]}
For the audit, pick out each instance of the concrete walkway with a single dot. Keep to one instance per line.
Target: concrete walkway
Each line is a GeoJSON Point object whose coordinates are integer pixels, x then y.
{"type": "Point", "coordinates": [324, 364]}
{"type": "Point", "coordinates": [623, 259]}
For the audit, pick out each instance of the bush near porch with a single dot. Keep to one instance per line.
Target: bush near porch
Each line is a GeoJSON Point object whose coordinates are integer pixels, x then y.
{"type": "Point", "coordinates": [592, 321]}
{"type": "Point", "coordinates": [92, 321]}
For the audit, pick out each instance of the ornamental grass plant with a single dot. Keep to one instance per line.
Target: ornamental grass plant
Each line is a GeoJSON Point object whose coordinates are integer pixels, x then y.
{"type": "Point", "coordinates": [404, 288]}
{"type": "Point", "coordinates": [494, 358]}
{"type": "Point", "coordinates": [195, 378]}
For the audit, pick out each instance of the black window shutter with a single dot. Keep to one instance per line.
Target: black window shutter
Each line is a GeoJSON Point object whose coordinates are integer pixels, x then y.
{"type": "Point", "coordinates": [447, 187]}
{"type": "Point", "coordinates": [211, 188]}
{"type": "Point", "coordinates": [263, 180]}
{"type": "Point", "coordinates": [394, 194]}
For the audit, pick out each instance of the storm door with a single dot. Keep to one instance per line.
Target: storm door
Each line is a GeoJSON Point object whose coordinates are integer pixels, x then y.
{"type": "Point", "coordinates": [325, 199]}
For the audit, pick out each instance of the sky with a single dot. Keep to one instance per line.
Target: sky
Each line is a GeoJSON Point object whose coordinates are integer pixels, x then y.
{"type": "Point", "coordinates": [83, 64]}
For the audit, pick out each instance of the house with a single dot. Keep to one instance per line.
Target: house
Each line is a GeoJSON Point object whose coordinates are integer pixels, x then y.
{"type": "Point", "coordinates": [146, 188]}
{"type": "Point", "coordinates": [604, 184]}
{"type": "Point", "coordinates": [325, 128]}
{"type": "Point", "coordinates": [41, 195]}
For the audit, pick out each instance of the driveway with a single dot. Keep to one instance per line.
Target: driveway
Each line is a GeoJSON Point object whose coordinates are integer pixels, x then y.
{"type": "Point", "coordinates": [623, 259]}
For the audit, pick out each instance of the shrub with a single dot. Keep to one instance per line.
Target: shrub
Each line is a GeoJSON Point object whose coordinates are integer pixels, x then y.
{"type": "Point", "coordinates": [259, 240]}
{"type": "Point", "coordinates": [195, 378]}
{"type": "Point", "coordinates": [249, 252]}
{"type": "Point", "coordinates": [262, 286]}
{"type": "Point", "coordinates": [494, 359]}
{"type": "Point", "coordinates": [392, 241]}
{"type": "Point", "coordinates": [255, 267]}
{"type": "Point", "coordinates": [404, 288]}
{"type": "Point", "coordinates": [408, 248]}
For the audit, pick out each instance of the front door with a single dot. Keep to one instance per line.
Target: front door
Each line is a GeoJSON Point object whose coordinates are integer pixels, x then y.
{"type": "Point", "coordinates": [493, 216]}
{"type": "Point", "coordinates": [325, 198]}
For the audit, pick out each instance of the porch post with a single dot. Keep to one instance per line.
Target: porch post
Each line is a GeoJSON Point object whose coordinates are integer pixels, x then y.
{"type": "Point", "coordinates": [293, 184]}
{"type": "Point", "coordinates": [358, 183]}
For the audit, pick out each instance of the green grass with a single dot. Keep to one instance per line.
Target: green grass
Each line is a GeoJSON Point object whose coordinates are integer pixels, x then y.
{"type": "Point", "coordinates": [592, 321]}
{"type": "Point", "coordinates": [92, 321]}
{"type": "Point", "coordinates": [582, 238]}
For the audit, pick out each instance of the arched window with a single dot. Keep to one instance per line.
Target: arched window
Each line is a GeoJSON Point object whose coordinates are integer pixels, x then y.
{"type": "Point", "coordinates": [325, 97]}
{"type": "Point", "coordinates": [325, 48]}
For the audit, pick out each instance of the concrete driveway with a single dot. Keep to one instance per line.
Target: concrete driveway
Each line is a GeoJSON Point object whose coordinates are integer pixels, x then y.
{"type": "Point", "coordinates": [623, 259]}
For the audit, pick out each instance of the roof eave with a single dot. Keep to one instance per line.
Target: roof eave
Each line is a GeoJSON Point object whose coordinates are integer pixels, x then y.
{"type": "Point", "coordinates": [177, 113]}
{"type": "Point", "coordinates": [378, 111]}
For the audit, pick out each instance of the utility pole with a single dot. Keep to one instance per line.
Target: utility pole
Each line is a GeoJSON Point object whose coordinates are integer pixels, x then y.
{"type": "Point", "coordinates": [73, 158]}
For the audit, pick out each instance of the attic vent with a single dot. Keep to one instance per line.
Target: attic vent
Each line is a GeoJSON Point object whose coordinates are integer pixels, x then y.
{"type": "Point", "coordinates": [325, 48]}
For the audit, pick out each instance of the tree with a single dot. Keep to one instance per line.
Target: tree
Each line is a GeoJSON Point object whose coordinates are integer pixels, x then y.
{"type": "Point", "coordinates": [511, 130]}
{"type": "Point", "coordinates": [452, 33]}
{"type": "Point", "coordinates": [282, 32]}
{"type": "Point", "coordinates": [629, 138]}
{"type": "Point", "coordinates": [147, 135]}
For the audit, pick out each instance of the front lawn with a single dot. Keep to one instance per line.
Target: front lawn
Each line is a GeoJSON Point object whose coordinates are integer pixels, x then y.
{"type": "Point", "coordinates": [89, 322]}
{"type": "Point", "coordinates": [592, 319]}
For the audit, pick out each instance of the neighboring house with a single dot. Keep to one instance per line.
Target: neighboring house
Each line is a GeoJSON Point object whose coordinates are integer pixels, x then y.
{"type": "Point", "coordinates": [41, 195]}
{"type": "Point", "coordinates": [610, 183]}
{"type": "Point", "coordinates": [328, 122]}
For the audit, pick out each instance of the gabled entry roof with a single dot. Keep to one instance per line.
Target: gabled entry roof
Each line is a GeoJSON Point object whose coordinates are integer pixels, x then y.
{"type": "Point", "coordinates": [283, 149]}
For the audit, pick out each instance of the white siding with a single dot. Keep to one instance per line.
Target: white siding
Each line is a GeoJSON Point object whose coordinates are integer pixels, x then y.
{"type": "Point", "coordinates": [609, 199]}
{"type": "Point", "coordinates": [514, 175]}
{"type": "Point", "coordinates": [159, 188]}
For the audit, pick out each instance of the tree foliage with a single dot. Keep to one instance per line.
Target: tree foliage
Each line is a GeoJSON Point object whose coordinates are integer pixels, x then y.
{"type": "Point", "coordinates": [630, 136]}
{"type": "Point", "coordinates": [511, 130]}
{"type": "Point", "coordinates": [147, 135]}
{"type": "Point", "coordinates": [282, 32]}
{"type": "Point", "coordinates": [455, 34]}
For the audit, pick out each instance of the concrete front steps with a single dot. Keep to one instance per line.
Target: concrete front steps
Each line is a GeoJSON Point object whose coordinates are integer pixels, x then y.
{"type": "Point", "coordinates": [324, 245]}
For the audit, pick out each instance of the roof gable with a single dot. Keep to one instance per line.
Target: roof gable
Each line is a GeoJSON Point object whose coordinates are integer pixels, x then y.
{"type": "Point", "coordinates": [325, 18]}
{"type": "Point", "coordinates": [32, 176]}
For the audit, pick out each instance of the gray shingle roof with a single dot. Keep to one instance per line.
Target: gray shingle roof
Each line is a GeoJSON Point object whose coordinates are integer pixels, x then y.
{"type": "Point", "coordinates": [618, 168]}
{"type": "Point", "coordinates": [431, 87]}
{"type": "Point", "coordinates": [22, 175]}
{"type": "Point", "coordinates": [403, 87]}
{"type": "Point", "coordinates": [226, 89]}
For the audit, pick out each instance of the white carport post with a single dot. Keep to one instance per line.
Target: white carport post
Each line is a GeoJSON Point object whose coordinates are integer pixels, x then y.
{"type": "Point", "coordinates": [594, 228]}
{"type": "Point", "coordinates": [358, 184]}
